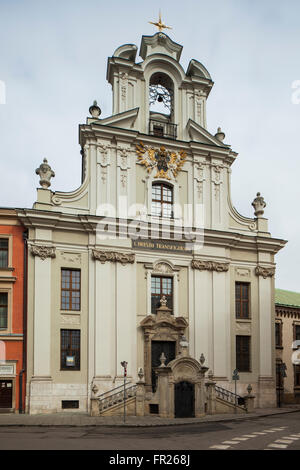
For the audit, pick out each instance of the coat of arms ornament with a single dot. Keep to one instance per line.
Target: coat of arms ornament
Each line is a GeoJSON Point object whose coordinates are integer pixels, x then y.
{"type": "Point", "coordinates": [165, 162]}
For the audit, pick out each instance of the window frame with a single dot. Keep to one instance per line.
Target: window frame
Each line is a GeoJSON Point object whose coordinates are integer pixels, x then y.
{"type": "Point", "coordinates": [279, 344]}
{"type": "Point", "coordinates": [70, 350]}
{"type": "Point", "coordinates": [162, 201]}
{"type": "Point", "coordinates": [5, 328]}
{"type": "Point", "coordinates": [239, 354]}
{"type": "Point", "coordinates": [170, 305]}
{"type": "Point", "coordinates": [242, 301]}
{"type": "Point", "coordinates": [297, 376]}
{"type": "Point", "coordinates": [295, 334]}
{"type": "Point", "coordinates": [8, 250]}
{"type": "Point", "coordinates": [70, 290]}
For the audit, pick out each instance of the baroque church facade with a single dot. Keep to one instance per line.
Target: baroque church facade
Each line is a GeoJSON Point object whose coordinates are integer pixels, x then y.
{"type": "Point", "coordinates": [151, 228]}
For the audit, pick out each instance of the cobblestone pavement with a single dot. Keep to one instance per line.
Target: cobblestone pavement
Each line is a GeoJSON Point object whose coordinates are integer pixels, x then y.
{"type": "Point", "coordinates": [273, 432]}
{"type": "Point", "coordinates": [82, 419]}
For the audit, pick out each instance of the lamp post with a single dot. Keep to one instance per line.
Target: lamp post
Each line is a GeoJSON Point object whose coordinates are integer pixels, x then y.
{"type": "Point", "coordinates": [235, 377]}
{"type": "Point", "coordinates": [124, 364]}
{"type": "Point", "coordinates": [282, 375]}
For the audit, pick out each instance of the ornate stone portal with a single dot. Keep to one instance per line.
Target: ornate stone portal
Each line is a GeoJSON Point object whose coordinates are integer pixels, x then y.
{"type": "Point", "coordinates": [182, 370]}
{"type": "Point", "coordinates": [160, 327]}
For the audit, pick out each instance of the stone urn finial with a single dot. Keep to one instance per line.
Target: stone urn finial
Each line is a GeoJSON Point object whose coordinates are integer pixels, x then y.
{"type": "Point", "coordinates": [249, 389]}
{"type": "Point", "coordinates": [210, 375]}
{"type": "Point", "coordinates": [220, 135]}
{"type": "Point", "coordinates": [94, 110]}
{"type": "Point", "coordinates": [162, 360]}
{"type": "Point", "coordinates": [140, 374]}
{"type": "Point", "coordinates": [259, 205]}
{"type": "Point", "coordinates": [95, 389]}
{"type": "Point", "coordinates": [45, 173]}
{"type": "Point", "coordinates": [202, 359]}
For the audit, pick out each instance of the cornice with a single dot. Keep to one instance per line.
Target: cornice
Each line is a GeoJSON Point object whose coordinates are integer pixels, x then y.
{"type": "Point", "coordinates": [34, 218]}
{"type": "Point", "coordinates": [287, 311]}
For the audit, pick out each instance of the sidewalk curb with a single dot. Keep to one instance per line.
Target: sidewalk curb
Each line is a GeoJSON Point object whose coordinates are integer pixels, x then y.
{"type": "Point", "coordinates": [151, 425]}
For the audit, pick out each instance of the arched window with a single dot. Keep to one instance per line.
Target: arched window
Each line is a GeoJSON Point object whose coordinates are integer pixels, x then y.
{"type": "Point", "coordinates": [161, 106]}
{"type": "Point", "coordinates": [162, 200]}
{"type": "Point", "coordinates": [161, 94]}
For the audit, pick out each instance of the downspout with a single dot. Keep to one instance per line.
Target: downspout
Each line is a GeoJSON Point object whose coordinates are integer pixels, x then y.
{"type": "Point", "coordinates": [24, 355]}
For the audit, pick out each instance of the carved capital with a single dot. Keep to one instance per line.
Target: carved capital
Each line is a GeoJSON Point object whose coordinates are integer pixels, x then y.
{"type": "Point", "coordinates": [210, 266]}
{"type": "Point", "coordinates": [264, 272]}
{"type": "Point", "coordinates": [104, 256]}
{"type": "Point", "coordinates": [43, 251]}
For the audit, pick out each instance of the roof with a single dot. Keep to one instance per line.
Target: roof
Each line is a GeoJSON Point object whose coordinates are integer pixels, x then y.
{"type": "Point", "coordinates": [288, 298]}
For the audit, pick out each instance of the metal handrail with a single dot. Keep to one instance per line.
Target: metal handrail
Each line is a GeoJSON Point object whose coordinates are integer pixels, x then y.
{"type": "Point", "coordinates": [116, 388]}
{"type": "Point", "coordinates": [229, 396]}
{"type": "Point", "coordinates": [169, 129]}
{"type": "Point", "coordinates": [111, 399]}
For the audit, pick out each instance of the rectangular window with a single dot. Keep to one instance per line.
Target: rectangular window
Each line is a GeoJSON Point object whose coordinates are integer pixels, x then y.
{"type": "Point", "coordinates": [161, 286]}
{"type": "Point", "coordinates": [3, 310]}
{"type": "Point", "coordinates": [243, 353]}
{"type": "Point", "coordinates": [278, 334]}
{"type": "Point", "coordinates": [297, 375]}
{"type": "Point", "coordinates": [70, 349]}
{"type": "Point", "coordinates": [296, 332]}
{"type": "Point", "coordinates": [3, 252]}
{"type": "Point", "coordinates": [242, 307]}
{"type": "Point", "coordinates": [70, 289]}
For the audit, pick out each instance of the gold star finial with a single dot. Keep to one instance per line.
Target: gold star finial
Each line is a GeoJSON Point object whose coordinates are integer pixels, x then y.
{"type": "Point", "coordinates": [160, 24]}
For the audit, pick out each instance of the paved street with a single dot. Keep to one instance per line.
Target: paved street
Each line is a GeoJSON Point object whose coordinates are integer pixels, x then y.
{"type": "Point", "coordinates": [278, 432]}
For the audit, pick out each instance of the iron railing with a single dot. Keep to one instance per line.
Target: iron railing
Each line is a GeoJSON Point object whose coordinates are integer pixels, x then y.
{"type": "Point", "coordinates": [162, 129]}
{"type": "Point", "coordinates": [116, 395]}
{"type": "Point", "coordinates": [229, 396]}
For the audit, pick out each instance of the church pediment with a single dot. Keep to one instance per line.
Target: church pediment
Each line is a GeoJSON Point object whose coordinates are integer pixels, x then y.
{"type": "Point", "coordinates": [123, 120]}
{"type": "Point", "coordinates": [197, 69]}
{"type": "Point", "coordinates": [199, 134]}
{"type": "Point", "coordinates": [163, 320]}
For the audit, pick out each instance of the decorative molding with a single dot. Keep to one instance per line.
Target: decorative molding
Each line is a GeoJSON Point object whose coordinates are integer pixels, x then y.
{"type": "Point", "coordinates": [70, 319]}
{"type": "Point", "coordinates": [43, 251]}
{"type": "Point", "coordinates": [71, 257]}
{"type": "Point", "coordinates": [289, 312]}
{"type": "Point", "coordinates": [104, 256]}
{"type": "Point", "coordinates": [242, 272]}
{"type": "Point", "coordinates": [243, 328]}
{"type": "Point", "coordinates": [264, 272]}
{"type": "Point", "coordinates": [209, 266]}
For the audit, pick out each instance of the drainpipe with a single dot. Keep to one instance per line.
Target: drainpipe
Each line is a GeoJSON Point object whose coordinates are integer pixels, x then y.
{"type": "Point", "coordinates": [24, 362]}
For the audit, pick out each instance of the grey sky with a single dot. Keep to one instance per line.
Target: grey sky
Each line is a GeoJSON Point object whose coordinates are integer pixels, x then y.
{"type": "Point", "coordinates": [53, 61]}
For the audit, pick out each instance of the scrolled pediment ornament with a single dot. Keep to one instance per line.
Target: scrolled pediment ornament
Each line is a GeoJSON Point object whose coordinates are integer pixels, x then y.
{"type": "Point", "coordinates": [264, 272]}
{"type": "Point", "coordinates": [165, 162]}
{"type": "Point", "coordinates": [43, 251]}
{"type": "Point", "coordinates": [210, 266]}
{"type": "Point", "coordinates": [123, 258]}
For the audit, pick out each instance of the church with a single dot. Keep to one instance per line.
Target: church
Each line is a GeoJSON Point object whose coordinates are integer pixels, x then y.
{"type": "Point", "coordinates": [147, 268]}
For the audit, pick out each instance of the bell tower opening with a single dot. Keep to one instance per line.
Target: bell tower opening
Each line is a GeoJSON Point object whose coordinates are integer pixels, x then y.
{"type": "Point", "coordinates": [161, 106]}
